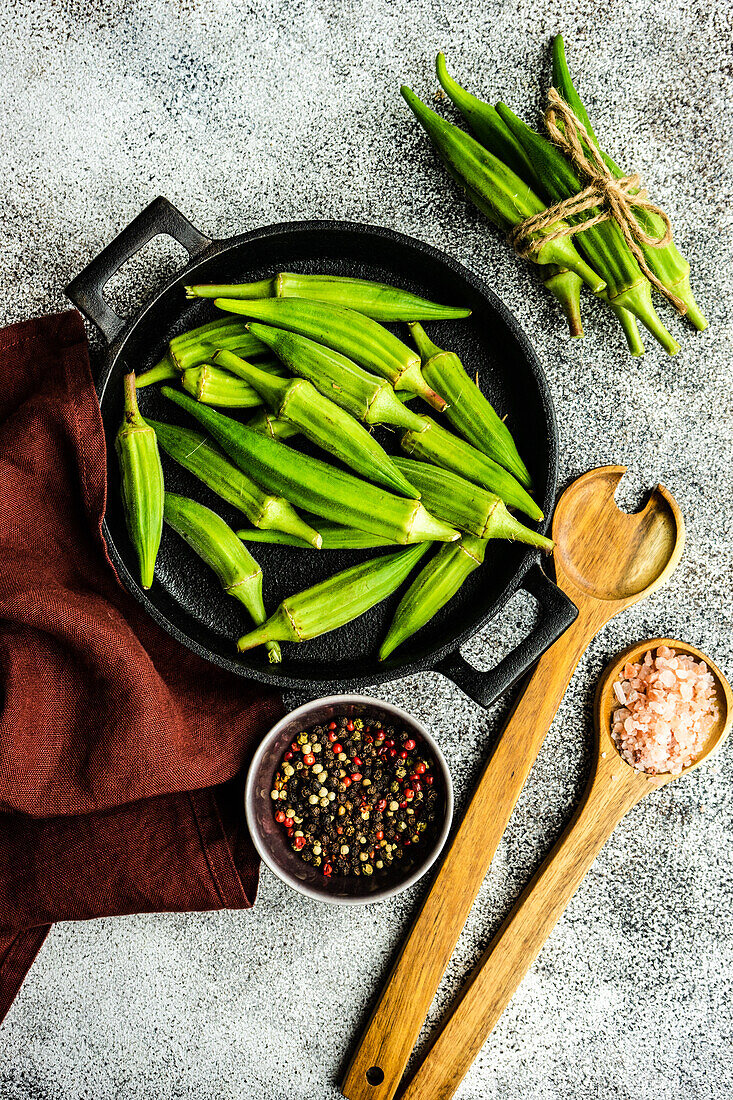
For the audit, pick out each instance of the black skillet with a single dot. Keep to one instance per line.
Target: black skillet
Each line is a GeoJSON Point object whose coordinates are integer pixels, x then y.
{"type": "Point", "coordinates": [186, 600]}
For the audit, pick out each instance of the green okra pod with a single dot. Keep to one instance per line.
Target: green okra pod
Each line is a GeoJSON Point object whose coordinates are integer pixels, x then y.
{"type": "Point", "coordinates": [333, 535]}
{"type": "Point", "coordinates": [198, 345]}
{"type": "Point", "coordinates": [564, 286]}
{"type": "Point", "coordinates": [204, 460]}
{"type": "Point", "coordinates": [336, 601]}
{"type": "Point", "coordinates": [316, 486]}
{"type": "Point", "coordinates": [323, 422]}
{"type": "Point", "coordinates": [436, 584]}
{"type": "Point", "coordinates": [212, 386]}
{"type": "Point", "coordinates": [667, 263]}
{"type": "Point", "coordinates": [436, 444]}
{"type": "Point", "coordinates": [141, 475]}
{"type": "Point", "coordinates": [380, 301]}
{"type": "Point", "coordinates": [468, 410]}
{"type": "Point", "coordinates": [367, 397]}
{"type": "Point", "coordinates": [467, 506]}
{"type": "Point", "coordinates": [215, 543]}
{"type": "Point", "coordinates": [354, 335]}
{"type": "Point", "coordinates": [497, 191]}
{"type": "Point", "coordinates": [603, 244]}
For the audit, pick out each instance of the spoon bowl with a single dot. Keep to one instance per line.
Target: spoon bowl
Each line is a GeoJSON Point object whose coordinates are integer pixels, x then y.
{"type": "Point", "coordinates": [606, 702]}
{"type": "Point", "coordinates": [637, 551]}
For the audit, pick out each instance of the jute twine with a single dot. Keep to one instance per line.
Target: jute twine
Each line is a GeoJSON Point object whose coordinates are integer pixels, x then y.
{"type": "Point", "coordinates": [615, 198]}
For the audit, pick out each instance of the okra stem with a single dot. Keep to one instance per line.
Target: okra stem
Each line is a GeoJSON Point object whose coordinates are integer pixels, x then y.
{"type": "Point", "coordinates": [565, 286]}
{"type": "Point", "coordinates": [212, 386]}
{"type": "Point", "coordinates": [161, 372]}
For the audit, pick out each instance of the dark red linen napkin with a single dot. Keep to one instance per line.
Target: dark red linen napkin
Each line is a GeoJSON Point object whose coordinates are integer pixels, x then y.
{"type": "Point", "coordinates": [121, 753]}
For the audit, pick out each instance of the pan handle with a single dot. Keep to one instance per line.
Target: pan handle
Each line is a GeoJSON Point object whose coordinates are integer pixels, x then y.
{"type": "Point", "coordinates": [557, 612]}
{"type": "Point", "coordinates": [86, 290]}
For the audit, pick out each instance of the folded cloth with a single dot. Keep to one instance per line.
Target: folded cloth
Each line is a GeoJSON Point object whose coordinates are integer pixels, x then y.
{"type": "Point", "coordinates": [121, 753]}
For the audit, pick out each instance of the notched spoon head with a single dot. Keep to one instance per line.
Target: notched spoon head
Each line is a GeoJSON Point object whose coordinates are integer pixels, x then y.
{"type": "Point", "coordinates": [613, 555]}
{"type": "Point", "coordinates": [606, 702]}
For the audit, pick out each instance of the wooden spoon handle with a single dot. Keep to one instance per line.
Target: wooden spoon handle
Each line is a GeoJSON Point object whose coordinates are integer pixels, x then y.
{"type": "Point", "coordinates": [385, 1047]}
{"type": "Point", "coordinates": [518, 942]}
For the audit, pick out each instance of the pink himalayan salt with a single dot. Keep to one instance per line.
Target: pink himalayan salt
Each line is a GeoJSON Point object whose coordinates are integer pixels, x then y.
{"type": "Point", "coordinates": [666, 709]}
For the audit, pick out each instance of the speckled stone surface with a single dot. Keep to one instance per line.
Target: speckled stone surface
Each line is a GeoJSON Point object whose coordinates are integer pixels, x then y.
{"type": "Point", "coordinates": [244, 114]}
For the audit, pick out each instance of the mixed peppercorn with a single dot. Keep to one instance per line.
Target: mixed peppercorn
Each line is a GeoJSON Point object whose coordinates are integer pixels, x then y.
{"type": "Point", "coordinates": [354, 795]}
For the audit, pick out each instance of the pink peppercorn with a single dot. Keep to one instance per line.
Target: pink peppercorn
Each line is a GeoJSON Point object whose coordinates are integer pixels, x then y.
{"type": "Point", "coordinates": [410, 745]}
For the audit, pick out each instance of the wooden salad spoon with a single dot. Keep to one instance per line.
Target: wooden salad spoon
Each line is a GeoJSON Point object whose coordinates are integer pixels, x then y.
{"type": "Point", "coordinates": [613, 788]}
{"type": "Point", "coordinates": [605, 560]}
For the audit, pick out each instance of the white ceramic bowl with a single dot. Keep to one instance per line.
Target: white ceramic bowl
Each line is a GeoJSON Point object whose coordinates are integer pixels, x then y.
{"type": "Point", "coordinates": [270, 839]}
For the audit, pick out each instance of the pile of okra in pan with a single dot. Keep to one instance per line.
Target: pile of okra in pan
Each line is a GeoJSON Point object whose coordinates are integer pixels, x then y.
{"type": "Point", "coordinates": [311, 357]}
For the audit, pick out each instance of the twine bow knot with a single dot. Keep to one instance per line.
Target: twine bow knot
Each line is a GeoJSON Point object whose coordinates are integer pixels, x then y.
{"type": "Point", "coordinates": [614, 198]}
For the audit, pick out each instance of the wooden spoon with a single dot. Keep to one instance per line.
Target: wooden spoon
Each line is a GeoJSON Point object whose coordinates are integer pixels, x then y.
{"type": "Point", "coordinates": [614, 787]}
{"type": "Point", "coordinates": [605, 560]}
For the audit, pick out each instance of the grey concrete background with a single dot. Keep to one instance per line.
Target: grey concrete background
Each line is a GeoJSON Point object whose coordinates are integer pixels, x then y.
{"type": "Point", "coordinates": [247, 113]}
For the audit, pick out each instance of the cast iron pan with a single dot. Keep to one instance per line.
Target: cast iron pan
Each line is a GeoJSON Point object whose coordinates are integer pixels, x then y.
{"type": "Point", "coordinates": [186, 599]}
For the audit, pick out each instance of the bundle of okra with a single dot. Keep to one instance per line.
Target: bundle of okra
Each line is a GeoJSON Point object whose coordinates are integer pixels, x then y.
{"type": "Point", "coordinates": [514, 174]}
{"type": "Point", "coordinates": [316, 362]}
